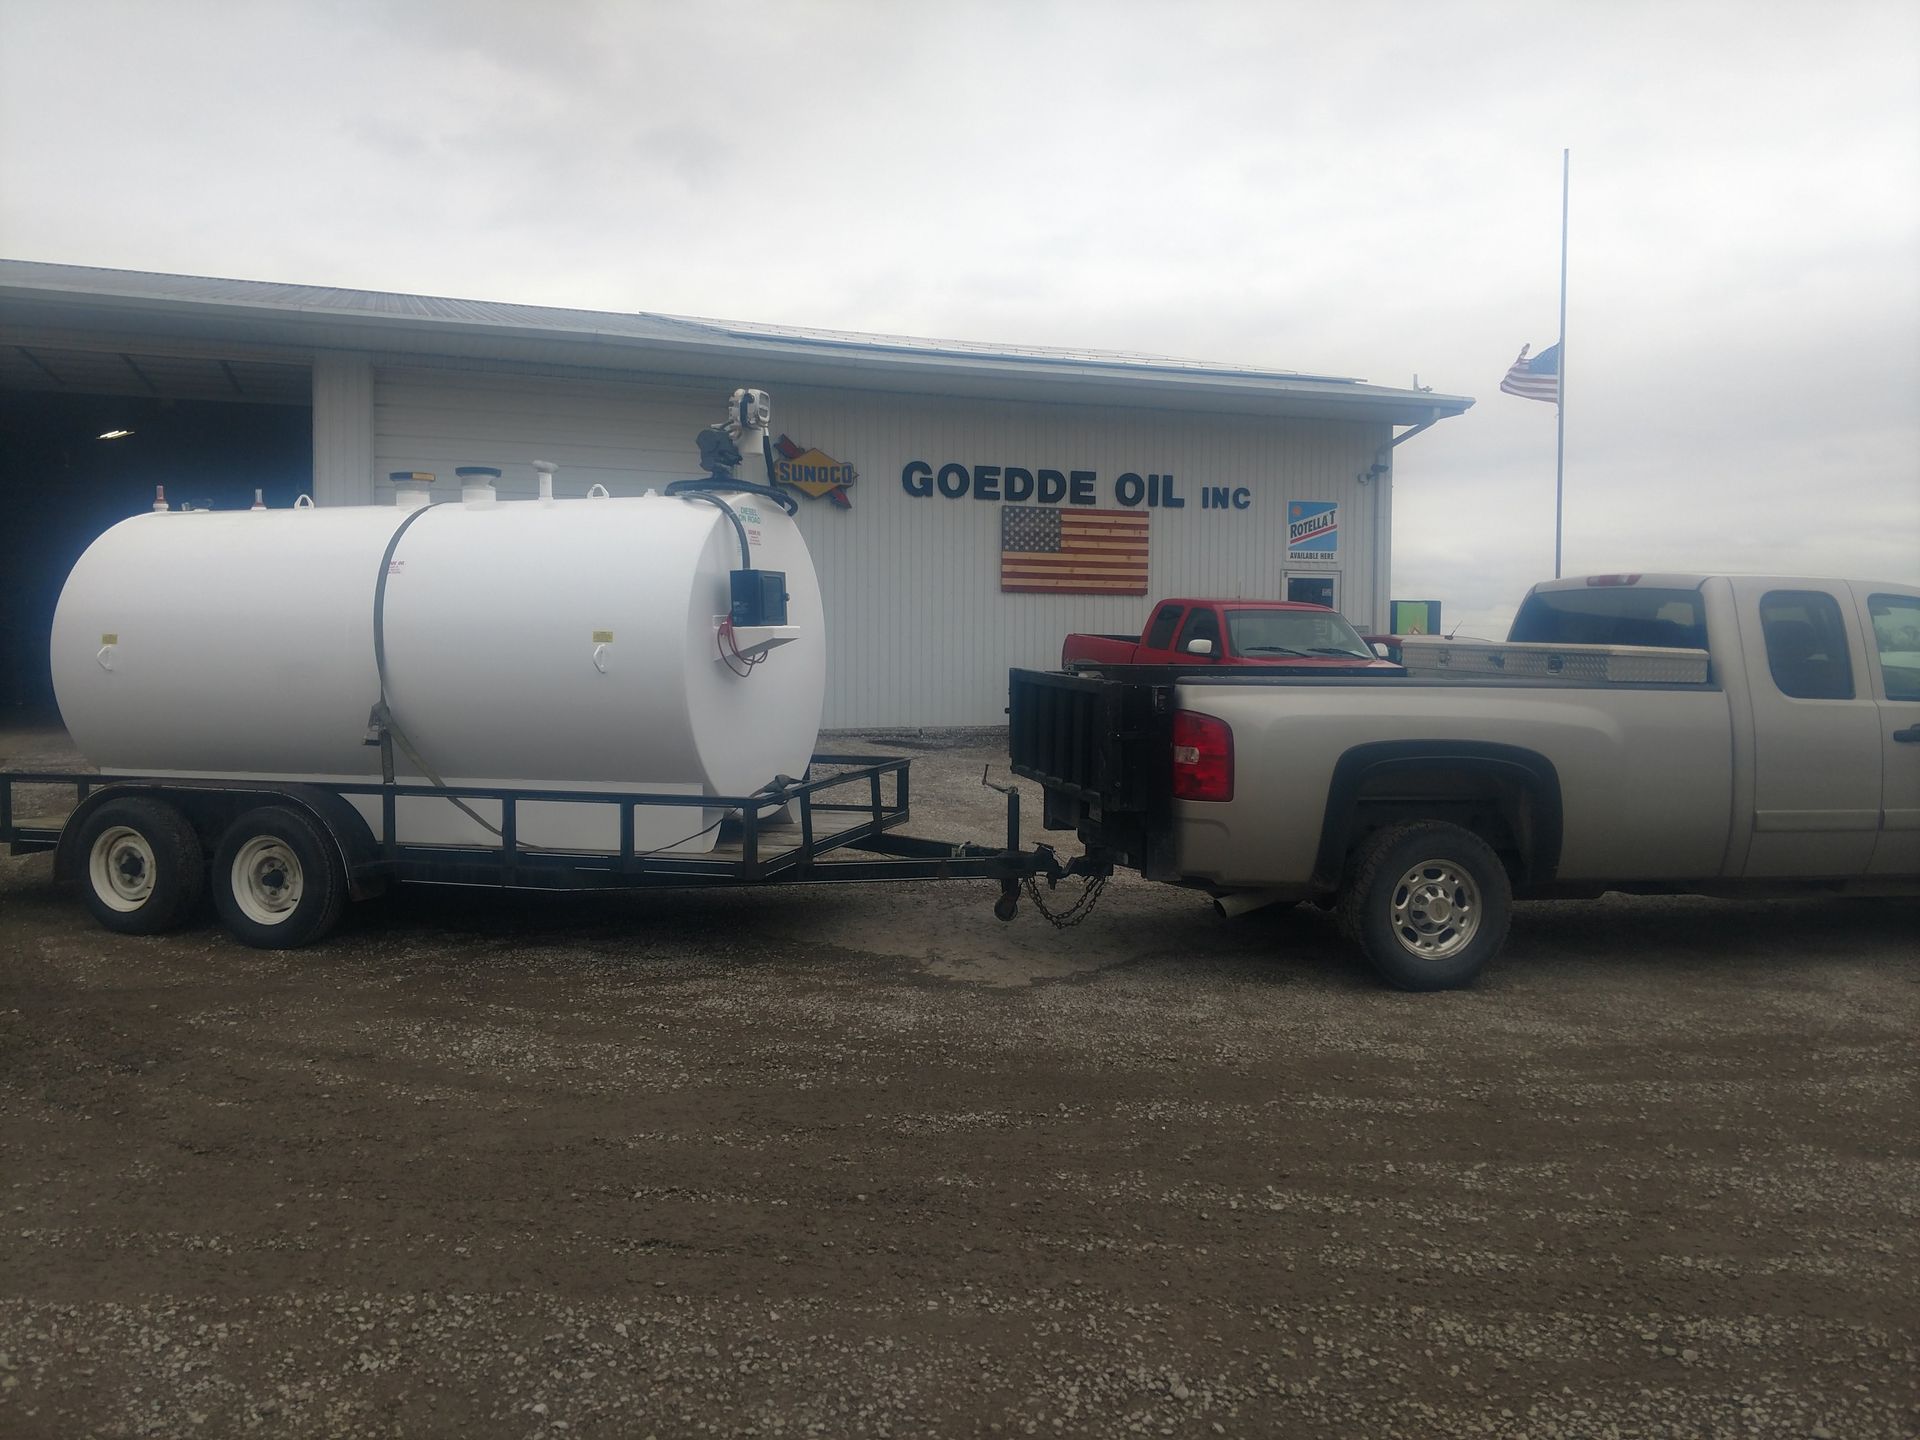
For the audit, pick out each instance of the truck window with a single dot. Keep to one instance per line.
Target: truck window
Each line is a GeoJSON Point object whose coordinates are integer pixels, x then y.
{"type": "Point", "coordinates": [1806, 644]}
{"type": "Point", "coordinates": [1160, 633]}
{"type": "Point", "coordinates": [1202, 624]}
{"type": "Point", "coordinates": [1896, 636]}
{"type": "Point", "coordinates": [1266, 633]}
{"type": "Point", "coordinates": [1612, 615]}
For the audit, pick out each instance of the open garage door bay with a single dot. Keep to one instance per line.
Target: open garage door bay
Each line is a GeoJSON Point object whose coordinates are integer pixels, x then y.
{"type": "Point", "coordinates": [86, 433]}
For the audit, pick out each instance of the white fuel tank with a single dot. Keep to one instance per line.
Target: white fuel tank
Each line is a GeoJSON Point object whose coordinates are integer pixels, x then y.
{"type": "Point", "coordinates": [547, 644]}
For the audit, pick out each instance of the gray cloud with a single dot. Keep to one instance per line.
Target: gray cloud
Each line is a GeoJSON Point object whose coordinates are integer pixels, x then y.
{"type": "Point", "coordinates": [1371, 190]}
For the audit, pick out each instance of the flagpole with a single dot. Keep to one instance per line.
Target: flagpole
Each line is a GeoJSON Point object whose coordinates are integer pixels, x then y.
{"type": "Point", "coordinates": [1560, 405]}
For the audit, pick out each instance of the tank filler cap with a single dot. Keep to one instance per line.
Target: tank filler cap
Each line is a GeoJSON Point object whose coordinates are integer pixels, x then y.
{"type": "Point", "coordinates": [476, 483]}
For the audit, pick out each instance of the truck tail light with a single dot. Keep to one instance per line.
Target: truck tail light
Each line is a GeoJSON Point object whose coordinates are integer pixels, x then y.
{"type": "Point", "coordinates": [1613, 579]}
{"type": "Point", "coordinates": [1202, 757]}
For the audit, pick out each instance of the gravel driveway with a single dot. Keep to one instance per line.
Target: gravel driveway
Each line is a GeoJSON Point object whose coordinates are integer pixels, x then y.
{"type": "Point", "coordinates": [864, 1161]}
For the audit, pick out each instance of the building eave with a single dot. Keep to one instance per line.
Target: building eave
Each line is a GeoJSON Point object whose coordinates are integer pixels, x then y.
{"type": "Point", "coordinates": [83, 299]}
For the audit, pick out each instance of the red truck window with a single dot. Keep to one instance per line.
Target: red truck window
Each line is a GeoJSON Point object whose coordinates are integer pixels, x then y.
{"type": "Point", "coordinates": [1160, 633]}
{"type": "Point", "coordinates": [1202, 624]}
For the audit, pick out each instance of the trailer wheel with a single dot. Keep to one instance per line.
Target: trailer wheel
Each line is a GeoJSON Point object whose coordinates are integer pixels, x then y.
{"type": "Point", "coordinates": [1429, 903]}
{"type": "Point", "coordinates": [277, 881]}
{"type": "Point", "coordinates": [143, 868]}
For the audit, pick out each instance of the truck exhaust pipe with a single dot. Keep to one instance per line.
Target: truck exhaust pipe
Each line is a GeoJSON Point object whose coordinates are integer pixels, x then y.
{"type": "Point", "coordinates": [1244, 902]}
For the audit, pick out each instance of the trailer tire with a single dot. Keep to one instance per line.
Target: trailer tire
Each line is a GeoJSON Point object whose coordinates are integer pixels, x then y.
{"type": "Point", "coordinates": [142, 868]}
{"type": "Point", "coordinates": [277, 879]}
{"type": "Point", "coordinates": [1429, 903]}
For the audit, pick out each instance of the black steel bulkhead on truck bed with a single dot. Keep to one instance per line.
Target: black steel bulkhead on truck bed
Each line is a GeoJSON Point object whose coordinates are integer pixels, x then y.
{"type": "Point", "coordinates": [1103, 750]}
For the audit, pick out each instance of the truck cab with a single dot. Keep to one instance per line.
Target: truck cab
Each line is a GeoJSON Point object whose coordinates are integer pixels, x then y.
{"type": "Point", "coordinates": [1826, 697]}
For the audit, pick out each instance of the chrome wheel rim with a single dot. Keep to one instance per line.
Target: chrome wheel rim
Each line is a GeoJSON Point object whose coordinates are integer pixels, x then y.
{"type": "Point", "coordinates": [121, 868]}
{"type": "Point", "coordinates": [1436, 910]}
{"type": "Point", "coordinates": [267, 880]}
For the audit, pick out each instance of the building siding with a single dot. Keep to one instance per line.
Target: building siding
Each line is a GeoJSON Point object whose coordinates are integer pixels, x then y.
{"type": "Point", "coordinates": [342, 427]}
{"type": "Point", "coordinates": [919, 631]}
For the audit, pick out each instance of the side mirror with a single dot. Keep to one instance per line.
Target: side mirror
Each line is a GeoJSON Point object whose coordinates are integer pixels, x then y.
{"type": "Point", "coordinates": [1199, 647]}
{"type": "Point", "coordinates": [1380, 649]}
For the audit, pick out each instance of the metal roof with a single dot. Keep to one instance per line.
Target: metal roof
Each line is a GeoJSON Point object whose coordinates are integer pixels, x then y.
{"type": "Point", "coordinates": [1050, 354]}
{"type": "Point", "coordinates": [210, 310]}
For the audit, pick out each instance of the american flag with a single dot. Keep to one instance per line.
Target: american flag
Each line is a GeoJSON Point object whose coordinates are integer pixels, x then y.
{"type": "Point", "coordinates": [1535, 379]}
{"type": "Point", "coordinates": [1073, 552]}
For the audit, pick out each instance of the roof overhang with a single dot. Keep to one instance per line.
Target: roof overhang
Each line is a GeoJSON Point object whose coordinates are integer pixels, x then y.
{"type": "Point", "coordinates": [210, 312]}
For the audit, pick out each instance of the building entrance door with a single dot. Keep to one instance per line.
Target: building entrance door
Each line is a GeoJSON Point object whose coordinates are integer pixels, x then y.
{"type": "Point", "coordinates": [1313, 587]}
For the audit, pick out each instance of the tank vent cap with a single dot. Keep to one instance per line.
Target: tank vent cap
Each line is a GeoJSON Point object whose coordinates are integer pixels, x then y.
{"type": "Point", "coordinates": [410, 488]}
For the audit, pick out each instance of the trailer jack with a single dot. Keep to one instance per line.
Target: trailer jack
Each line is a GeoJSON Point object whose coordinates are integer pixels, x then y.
{"type": "Point", "coordinates": [1042, 863]}
{"type": "Point", "coordinates": [1008, 905]}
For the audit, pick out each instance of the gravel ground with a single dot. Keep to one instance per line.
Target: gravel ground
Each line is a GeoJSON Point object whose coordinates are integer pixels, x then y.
{"type": "Point", "coordinates": [851, 1162]}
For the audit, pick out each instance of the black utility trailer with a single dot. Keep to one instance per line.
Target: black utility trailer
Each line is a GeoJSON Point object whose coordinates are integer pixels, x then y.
{"type": "Point", "coordinates": [282, 859]}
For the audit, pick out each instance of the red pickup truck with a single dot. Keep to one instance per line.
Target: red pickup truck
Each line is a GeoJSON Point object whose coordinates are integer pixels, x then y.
{"type": "Point", "coordinates": [1263, 633]}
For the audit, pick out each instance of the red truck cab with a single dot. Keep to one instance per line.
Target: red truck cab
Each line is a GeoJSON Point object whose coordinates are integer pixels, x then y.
{"type": "Point", "coordinates": [1253, 633]}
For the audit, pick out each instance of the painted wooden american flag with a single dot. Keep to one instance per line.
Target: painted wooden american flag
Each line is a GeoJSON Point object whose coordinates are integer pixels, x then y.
{"type": "Point", "coordinates": [1072, 551]}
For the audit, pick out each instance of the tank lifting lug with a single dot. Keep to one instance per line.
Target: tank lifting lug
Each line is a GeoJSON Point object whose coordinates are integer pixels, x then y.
{"type": "Point", "coordinates": [1009, 902]}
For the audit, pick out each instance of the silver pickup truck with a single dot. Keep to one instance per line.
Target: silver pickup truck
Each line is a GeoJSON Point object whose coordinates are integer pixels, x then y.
{"type": "Point", "coordinates": [1652, 733]}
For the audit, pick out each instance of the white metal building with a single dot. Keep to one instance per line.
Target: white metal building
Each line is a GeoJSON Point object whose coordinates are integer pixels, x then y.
{"type": "Point", "coordinates": [937, 436]}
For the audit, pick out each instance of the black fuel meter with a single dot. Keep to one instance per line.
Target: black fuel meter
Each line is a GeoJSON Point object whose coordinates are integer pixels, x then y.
{"type": "Point", "coordinates": [759, 597]}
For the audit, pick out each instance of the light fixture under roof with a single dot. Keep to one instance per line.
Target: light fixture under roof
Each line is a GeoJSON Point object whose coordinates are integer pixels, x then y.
{"type": "Point", "coordinates": [114, 434]}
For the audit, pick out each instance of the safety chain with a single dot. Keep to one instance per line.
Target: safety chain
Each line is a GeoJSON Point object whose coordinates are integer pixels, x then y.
{"type": "Point", "coordinates": [1075, 912]}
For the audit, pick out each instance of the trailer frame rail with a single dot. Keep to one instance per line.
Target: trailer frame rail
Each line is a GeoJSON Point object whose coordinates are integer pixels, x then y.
{"type": "Point", "coordinates": [853, 809]}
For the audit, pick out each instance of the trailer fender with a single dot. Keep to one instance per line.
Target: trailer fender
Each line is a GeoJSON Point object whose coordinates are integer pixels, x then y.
{"type": "Point", "coordinates": [350, 834]}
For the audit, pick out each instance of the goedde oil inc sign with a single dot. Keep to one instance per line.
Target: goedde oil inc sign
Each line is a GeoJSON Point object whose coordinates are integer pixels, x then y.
{"type": "Point", "coordinates": [1024, 485]}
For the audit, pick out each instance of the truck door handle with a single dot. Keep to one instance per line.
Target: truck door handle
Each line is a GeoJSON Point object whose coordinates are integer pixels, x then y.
{"type": "Point", "coordinates": [1908, 736]}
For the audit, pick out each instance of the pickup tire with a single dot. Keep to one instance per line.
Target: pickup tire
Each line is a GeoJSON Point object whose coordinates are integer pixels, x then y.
{"type": "Point", "coordinates": [1429, 903]}
{"type": "Point", "coordinates": [141, 868]}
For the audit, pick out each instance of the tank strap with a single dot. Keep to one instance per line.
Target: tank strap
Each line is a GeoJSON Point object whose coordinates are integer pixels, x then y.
{"type": "Point", "coordinates": [383, 719]}
{"type": "Point", "coordinates": [380, 597]}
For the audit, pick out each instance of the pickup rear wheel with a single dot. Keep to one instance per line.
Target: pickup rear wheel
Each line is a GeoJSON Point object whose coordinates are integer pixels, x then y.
{"type": "Point", "coordinates": [1429, 903]}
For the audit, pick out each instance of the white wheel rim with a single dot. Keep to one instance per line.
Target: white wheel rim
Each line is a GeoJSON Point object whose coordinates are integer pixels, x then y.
{"type": "Point", "coordinates": [267, 880]}
{"type": "Point", "coordinates": [120, 868]}
{"type": "Point", "coordinates": [1436, 910]}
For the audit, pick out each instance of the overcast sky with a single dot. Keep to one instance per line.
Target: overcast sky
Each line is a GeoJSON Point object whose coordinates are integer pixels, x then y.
{"type": "Point", "coordinates": [1358, 189]}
